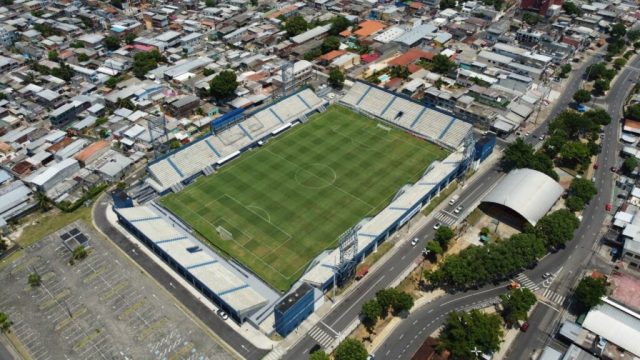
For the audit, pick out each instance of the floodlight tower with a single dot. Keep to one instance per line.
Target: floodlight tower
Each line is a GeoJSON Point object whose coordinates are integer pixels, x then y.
{"type": "Point", "coordinates": [159, 134]}
{"type": "Point", "coordinates": [287, 77]}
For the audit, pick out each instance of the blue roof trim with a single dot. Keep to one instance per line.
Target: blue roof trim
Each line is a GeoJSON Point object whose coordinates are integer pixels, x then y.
{"type": "Point", "coordinates": [427, 184]}
{"type": "Point", "coordinates": [212, 148]}
{"type": "Point", "coordinates": [388, 105]}
{"type": "Point", "coordinates": [364, 95]}
{"type": "Point", "coordinates": [398, 208]}
{"type": "Point", "coordinates": [415, 121]}
{"type": "Point", "coordinates": [453, 119]}
{"type": "Point", "coordinates": [175, 167]}
{"type": "Point", "coordinates": [233, 290]}
{"type": "Point", "coordinates": [245, 131]}
{"type": "Point", "coordinates": [276, 115]}
{"type": "Point", "coordinates": [304, 102]}
{"type": "Point", "coordinates": [202, 264]}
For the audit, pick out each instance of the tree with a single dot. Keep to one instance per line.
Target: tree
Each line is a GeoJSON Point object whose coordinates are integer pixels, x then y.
{"type": "Point", "coordinates": [571, 8]}
{"type": "Point", "coordinates": [223, 86]}
{"type": "Point", "coordinates": [371, 311]}
{"type": "Point", "coordinates": [399, 72]}
{"type": "Point", "coordinates": [517, 155]}
{"type": "Point", "coordinates": [319, 355]}
{"type": "Point", "coordinates": [79, 253]}
{"type": "Point", "coordinates": [34, 280]}
{"type": "Point", "coordinates": [575, 153]}
{"type": "Point", "coordinates": [403, 302]}
{"type": "Point", "coordinates": [465, 332]}
{"type": "Point", "coordinates": [516, 304]}
{"type": "Point", "coordinates": [82, 57]}
{"type": "Point", "coordinates": [530, 18]}
{"type": "Point", "coordinates": [617, 30]}
{"type": "Point", "coordinates": [629, 165]}
{"type": "Point", "coordinates": [583, 189]}
{"type": "Point", "coordinates": [596, 71]}
{"type": "Point", "coordinates": [53, 56]}
{"type": "Point", "coordinates": [330, 43]}
{"type": "Point", "coordinates": [113, 81]}
{"type": "Point", "coordinates": [125, 103]}
{"type": "Point", "coordinates": [5, 322]}
{"type": "Point", "coordinates": [565, 70]}
{"type": "Point", "coordinates": [582, 96]}
{"type": "Point", "coordinates": [434, 249]}
{"type": "Point", "coordinates": [143, 62]}
{"type": "Point", "coordinates": [590, 291]}
{"type": "Point", "coordinates": [632, 112]}
{"type": "Point", "coordinates": [441, 64]}
{"type": "Point", "coordinates": [633, 35]}
{"type": "Point", "coordinates": [296, 25]}
{"type": "Point", "coordinates": [3, 245]}
{"type": "Point", "coordinates": [556, 228]}
{"type": "Point", "coordinates": [112, 42]}
{"type": "Point", "coordinates": [597, 116]}
{"type": "Point", "coordinates": [312, 54]}
{"type": "Point", "coordinates": [43, 201]}
{"type": "Point", "coordinates": [210, 3]}
{"type": "Point", "coordinates": [443, 235]}
{"type": "Point", "coordinates": [336, 78]}
{"type": "Point", "coordinates": [174, 144]}
{"type": "Point", "coordinates": [338, 25]}
{"type": "Point", "coordinates": [574, 203]}
{"type": "Point", "coordinates": [601, 86]}
{"type": "Point", "coordinates": [619, 63]}
{"type": "Point", "coordinates": [129, 38]}
{"type": "Point", "coordinates": [386, 298]}
{"type": "Point", "coordinates": [350, 349]}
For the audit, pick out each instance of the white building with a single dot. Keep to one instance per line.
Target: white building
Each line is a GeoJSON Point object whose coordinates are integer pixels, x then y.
{"type": "Point", "coordinates": [55, 174]}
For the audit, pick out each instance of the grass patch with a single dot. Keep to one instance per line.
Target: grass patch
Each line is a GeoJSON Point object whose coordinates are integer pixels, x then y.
{"type": "Point", "coordinates": [46, 223]}
{"type": "Point", "coordinates": [14, 256]}
{"type": "Point", "coordinates": [66, 321]}
{"type": "Point", "coordinates": [86, 340]}
{"type": "Point", "coordinates": [374, 257]}
{"type": "Point", "coordinates": [130, 310]}
{"type": "Point", "coordinates": [289, 200]}
{"type": "Point", "coordinates": [53, 301]}
{"type": "Point", "coordinates": [89, 278]}
{"type": "Point", "coordinates": [182, 352]}
{"type": "Point", "coordinates": [474, 217]}
{"type": "Point", "coordinates": [152, 328]}
{"type": "Point", "coordinates": [438, 199]}
{"type": "Point", "coordinates": [113, 291]}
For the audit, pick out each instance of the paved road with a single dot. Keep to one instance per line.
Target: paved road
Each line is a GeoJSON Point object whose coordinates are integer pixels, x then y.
{"type": "Point", "coordinates": [402, 347]}
{"type": "Point", "coordinates": [5, 354]}
{"type": "Point", "coordinates": [594, 214]}
{"type": "Point", "coordinates": [196, 307]}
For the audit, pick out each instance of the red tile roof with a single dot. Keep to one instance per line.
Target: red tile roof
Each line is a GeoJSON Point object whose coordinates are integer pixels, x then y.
{"type": "Point", "coordinates": [412, 55]}
{"type": "Point", "coordinates": [332, 55]}
{"type": "Point", "coordinates": [368, 27]}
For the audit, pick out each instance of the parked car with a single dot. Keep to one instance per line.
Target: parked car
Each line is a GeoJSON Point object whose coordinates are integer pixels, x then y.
{"type": "Point", "coordinates": [437, 226]}
{"type": "Point", "coordinates": [414, 242]}
{"type": "Point", "coordinates": [453, 200]}
{"type": "Point", "coordinates": [608, 207]}
{"type": "Point", "coordinates": [458, 209]}
{"type": "Point", "coordinates": [546, 275]}
{"type": "Point", "coordinates": [524, 327]}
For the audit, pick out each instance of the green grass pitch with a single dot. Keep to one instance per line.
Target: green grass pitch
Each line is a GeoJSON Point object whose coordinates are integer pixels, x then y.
{"type": "Point", "coordinates": [289, 200]}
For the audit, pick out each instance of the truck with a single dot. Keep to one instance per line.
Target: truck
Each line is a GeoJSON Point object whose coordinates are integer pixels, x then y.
{"type": "Point", "coordinates": [453, 200]}
{"type": "Point", "coordinates": [362, 271]}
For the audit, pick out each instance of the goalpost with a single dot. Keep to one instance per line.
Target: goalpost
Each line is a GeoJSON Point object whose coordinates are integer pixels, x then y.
{"type": "Point", "coordinates": [224, 233]}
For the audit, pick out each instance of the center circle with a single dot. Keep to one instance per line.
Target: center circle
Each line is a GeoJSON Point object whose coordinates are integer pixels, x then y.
{"type": "Point", "coordinates": [315, 176]}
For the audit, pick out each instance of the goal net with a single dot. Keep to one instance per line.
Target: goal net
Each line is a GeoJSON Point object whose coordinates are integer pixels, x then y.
{"type": "Point", "coordinates": [224, 233]}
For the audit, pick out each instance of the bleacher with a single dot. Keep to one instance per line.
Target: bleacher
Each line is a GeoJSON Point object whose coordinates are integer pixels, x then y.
{"type": "Point", "coordinates": [205, 153]}
{"type": "Point", "coordinates": [429, 123]}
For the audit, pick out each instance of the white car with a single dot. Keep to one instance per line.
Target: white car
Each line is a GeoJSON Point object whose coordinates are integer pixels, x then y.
{"type": "Point", "coordinates": [458, 210]}
{"type": "Point", "coordinates": [414, 242]}
{"type": "Point", "coordinates": [437, 226]}
{"type": "Point", "coordinates": [222, 314]}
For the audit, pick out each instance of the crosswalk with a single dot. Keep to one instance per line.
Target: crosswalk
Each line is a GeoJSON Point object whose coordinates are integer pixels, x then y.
{"type": "Point", "coordinates": [323, 336]}
{"type": "Point", "coordinates": [526, 282]}
{"type": "Point", "coordinates": [553, 296]}
{"type": "Point", "coordinates": [274, 354]}
{"type": "Point", "coordinates": [446, 218]}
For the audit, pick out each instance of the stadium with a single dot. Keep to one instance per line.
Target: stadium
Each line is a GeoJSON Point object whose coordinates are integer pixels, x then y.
{"type": "Point", "coordinates": [312, 189]}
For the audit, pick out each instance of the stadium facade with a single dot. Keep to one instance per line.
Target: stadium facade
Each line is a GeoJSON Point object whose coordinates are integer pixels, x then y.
{"type": "Point", "coordinates": [239, 132]}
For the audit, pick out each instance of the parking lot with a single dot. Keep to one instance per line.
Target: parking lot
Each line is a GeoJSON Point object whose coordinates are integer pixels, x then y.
{"type": "Point", "coordinates": [100, 307]}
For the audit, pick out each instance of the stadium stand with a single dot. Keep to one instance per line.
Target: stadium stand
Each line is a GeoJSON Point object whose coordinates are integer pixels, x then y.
{"type": "Point", "coordinates": [203, 155]}
{"type": "Point", "coordinates": [396, 214]}
{"type": "Point", "coordinates": [200, 266]}
{"type": "Point", "coordinates": [428, 123]}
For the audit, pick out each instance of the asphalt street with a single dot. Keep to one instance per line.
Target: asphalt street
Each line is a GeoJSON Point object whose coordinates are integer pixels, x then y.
{"type": "Point", "coordinates": [593, 216]}
{"type": "Point", "coordinates": [564, 264]}
{"type": "Point", "coordinates": [197, 308]}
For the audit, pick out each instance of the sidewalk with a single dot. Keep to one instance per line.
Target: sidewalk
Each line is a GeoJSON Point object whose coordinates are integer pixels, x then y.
{"type": "Point", "coordinates": [251, 334]}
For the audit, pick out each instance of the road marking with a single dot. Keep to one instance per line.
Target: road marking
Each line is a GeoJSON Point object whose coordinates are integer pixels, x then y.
{"type": "Point", "coordinates": [464, 297]}
{"type": "Point", "coordinates": [401, 336]}
{"type": "Point", "coordinates": [357, 300]}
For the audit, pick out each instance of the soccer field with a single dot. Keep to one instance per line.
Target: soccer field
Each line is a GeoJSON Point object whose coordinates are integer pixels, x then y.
{"type": "Point", "coordinates": [277, 207]}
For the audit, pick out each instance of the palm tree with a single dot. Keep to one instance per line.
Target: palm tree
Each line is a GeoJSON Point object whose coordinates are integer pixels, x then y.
{"type": "Point", "coordinates": [5, 323]}
{"type": "Point", "coordinates": [43, 201]}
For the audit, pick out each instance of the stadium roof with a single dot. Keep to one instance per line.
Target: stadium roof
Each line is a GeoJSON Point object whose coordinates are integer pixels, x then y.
{"type": "Point", "coordinates": [616, 323]}
{"type": "Point", "coordinates": [528, 192]}
{"type": "Point", "coordinates": [204, 265]}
